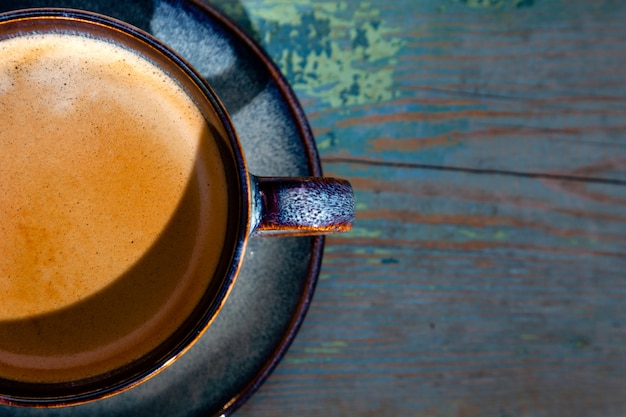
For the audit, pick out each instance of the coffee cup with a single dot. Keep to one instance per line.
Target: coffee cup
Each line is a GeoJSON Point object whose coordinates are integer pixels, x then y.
{"type": "Point", "coordinates": [125, 207]}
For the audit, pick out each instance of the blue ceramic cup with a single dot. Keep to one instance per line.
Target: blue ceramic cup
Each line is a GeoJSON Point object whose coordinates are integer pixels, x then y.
{"type": "Point", "coordinates": [110, 338]}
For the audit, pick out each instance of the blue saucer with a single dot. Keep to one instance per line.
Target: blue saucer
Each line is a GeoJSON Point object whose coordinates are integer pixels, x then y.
{"type": "Point", "coordinates": [274, 289]}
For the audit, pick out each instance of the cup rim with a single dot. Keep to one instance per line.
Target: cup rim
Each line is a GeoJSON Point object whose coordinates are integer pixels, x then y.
{"type": "Point", "coordinates": [46, 395]}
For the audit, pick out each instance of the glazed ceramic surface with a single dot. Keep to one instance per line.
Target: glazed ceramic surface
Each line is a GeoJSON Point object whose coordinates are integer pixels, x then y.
{"type": "Point", "coordinates": [276, 282]}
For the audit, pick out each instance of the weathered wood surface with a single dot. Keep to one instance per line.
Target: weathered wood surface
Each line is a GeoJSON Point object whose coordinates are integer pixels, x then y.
{"type": "Point", "coordinates": [486, 141]}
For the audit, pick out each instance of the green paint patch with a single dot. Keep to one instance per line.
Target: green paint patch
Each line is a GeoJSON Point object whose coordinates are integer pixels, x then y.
{"type": "Point", "coordinates": [500, 235]}
{"type": "Point", "coordinates": [336, 343]}
{"type": "Point", "coordinates": [581, 242]}
{"type": "Point", "coordinates": [383, 251]}
{"type": "Point", "coordinates": [361, 232]}
{"type": "Point", "coordinates": [354, 293]}
{"type": "Point", "coordinates": [324, 144]}
{"type": "Point", "coordinates": [482, 234]}
{"type": "Point", "coordinates": [468, 233]}
{"type": "Point", "coordinates": [327, 348]}
{"type": "Point", "coordinates": [483, 3]}
{"type": "Point", "coordinates": [341, 54]}
{"type": "Point", "coordinates": [528, 337]}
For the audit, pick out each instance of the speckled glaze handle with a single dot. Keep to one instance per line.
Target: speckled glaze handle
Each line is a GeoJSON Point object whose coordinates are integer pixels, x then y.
{"type": "Point", "coordinates": [301, 206]}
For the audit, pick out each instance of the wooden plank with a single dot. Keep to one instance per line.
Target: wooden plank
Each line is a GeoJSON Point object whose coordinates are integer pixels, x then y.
{"type": "Point", "coordinates": [464, 294]}
{"type": "Point", "coordinates": [485, 273]}
{"type": "Point", "coordinates": [537, 89]}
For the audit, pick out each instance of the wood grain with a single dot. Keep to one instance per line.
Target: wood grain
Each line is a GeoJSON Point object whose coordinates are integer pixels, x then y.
{"type": "Point", "coordinates": [485, 272]}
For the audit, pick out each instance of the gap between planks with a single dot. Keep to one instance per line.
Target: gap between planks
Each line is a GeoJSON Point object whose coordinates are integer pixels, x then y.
{"type": "Point", "coordinates": [478, 171]}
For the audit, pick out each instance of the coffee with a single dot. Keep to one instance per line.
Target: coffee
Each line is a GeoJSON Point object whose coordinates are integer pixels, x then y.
{"type": "Point", "coordinates": [112, 207]}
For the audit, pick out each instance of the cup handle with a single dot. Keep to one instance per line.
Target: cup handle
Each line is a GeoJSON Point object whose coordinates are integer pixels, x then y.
{"type": "Point", "coordinates": [300, 206]}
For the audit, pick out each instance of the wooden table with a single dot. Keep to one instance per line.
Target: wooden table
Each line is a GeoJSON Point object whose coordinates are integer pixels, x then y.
{"type": "Point", "coordinates": [486, 272]}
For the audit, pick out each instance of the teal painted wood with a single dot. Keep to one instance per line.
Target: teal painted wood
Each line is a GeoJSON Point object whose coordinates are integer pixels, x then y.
{"type": "Point", "coordinates": [485, 142]}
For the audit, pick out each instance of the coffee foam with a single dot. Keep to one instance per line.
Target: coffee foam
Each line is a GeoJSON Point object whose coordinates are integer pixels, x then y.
{"type": "Point", "coordinates": [100, 153]}
{"type": "Point", "coordinates": [64, 83]}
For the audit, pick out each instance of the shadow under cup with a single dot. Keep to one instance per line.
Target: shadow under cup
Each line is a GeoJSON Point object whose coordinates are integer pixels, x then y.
{"type": "Point", "coordinates": [175, 257]}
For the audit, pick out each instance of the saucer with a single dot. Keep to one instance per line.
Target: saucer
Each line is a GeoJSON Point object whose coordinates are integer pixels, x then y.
{"type": "Point", "coordinates": [276, 283]}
